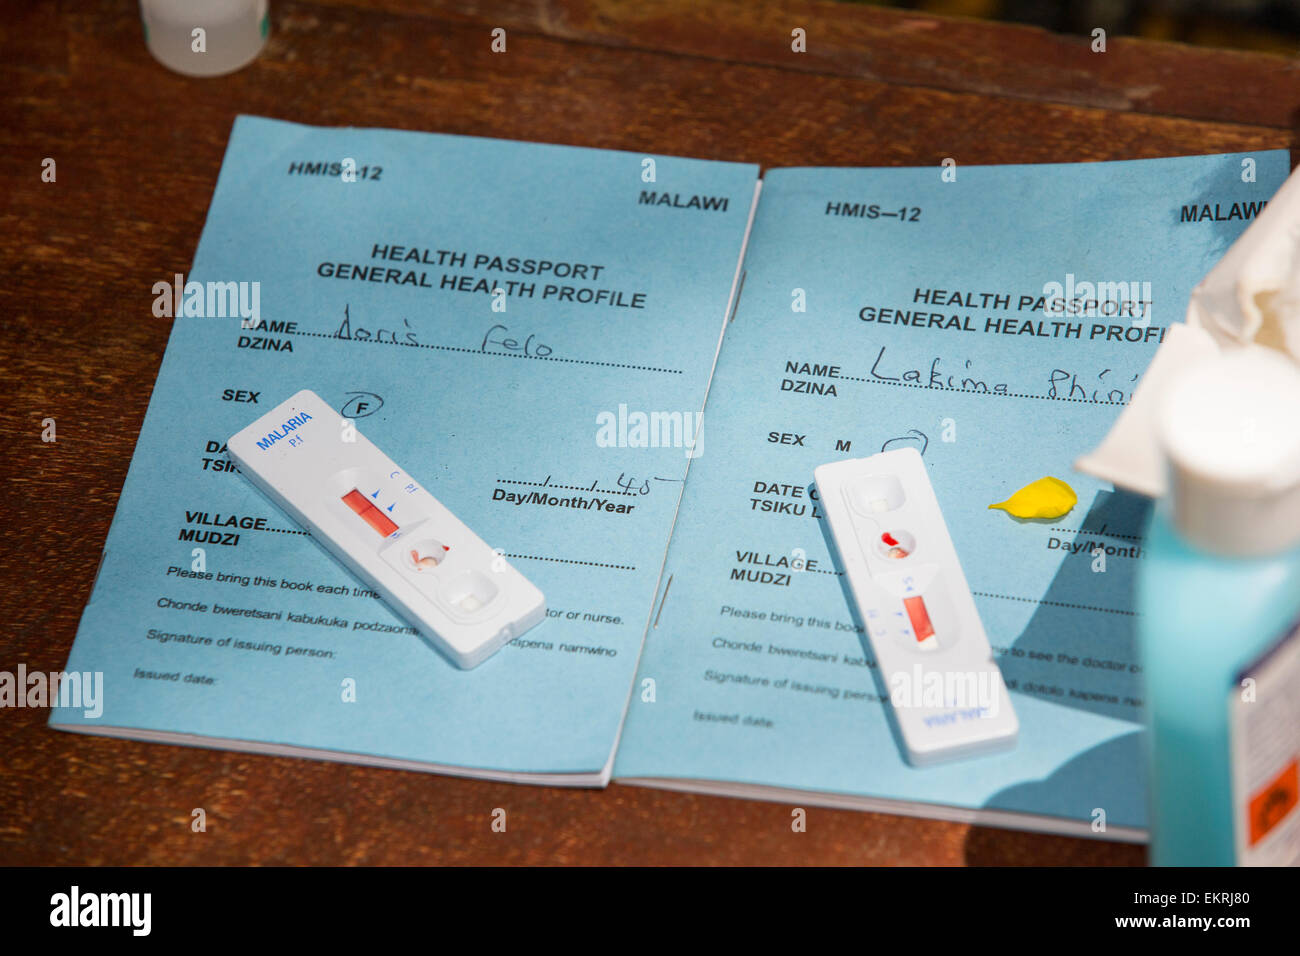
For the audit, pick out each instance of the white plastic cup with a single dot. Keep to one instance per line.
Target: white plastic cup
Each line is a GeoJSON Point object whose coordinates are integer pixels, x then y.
{"type": "Point", "coordinates": [205, 37]}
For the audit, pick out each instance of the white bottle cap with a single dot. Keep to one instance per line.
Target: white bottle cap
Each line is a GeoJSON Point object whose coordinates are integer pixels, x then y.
{"type": "Point", "coordinates": [1230, 429]}
{"type": "Point", "coordinates": [208, 38]}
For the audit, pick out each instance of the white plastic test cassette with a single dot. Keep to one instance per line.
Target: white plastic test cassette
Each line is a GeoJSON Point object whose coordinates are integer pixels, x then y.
{"type": "Point", "coordinates": [947, 693]}
{"type": "Point", "coordinates": [433, 570]}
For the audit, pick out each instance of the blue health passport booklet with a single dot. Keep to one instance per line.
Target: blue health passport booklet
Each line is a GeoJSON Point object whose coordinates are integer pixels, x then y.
{"type": "Point", "coordinates": [532, 331]}
{"type": "Point", "coordinates": [894, 308]}
{"type": "Point", "coordinates": [488, 313]}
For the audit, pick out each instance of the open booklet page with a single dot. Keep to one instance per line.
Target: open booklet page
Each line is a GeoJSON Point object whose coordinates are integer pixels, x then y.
{"type": "Point", "coordinates": [497, 317]}
{"type": "Point", "coordinates": [995, 320]}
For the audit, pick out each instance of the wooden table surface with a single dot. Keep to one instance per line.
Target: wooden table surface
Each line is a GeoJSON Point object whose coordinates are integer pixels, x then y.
{"type": "Point", "coordinates": [138, 149]}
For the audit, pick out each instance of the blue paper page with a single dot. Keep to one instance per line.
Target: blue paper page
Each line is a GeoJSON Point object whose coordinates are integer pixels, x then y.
{"type": "Point", "coordinates": [378, 256]}
{"type": "Point", "coordinates": [923, 324]}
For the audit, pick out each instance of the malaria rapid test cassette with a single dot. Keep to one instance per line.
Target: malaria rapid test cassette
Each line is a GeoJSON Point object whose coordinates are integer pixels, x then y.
{"type": "Point", "coordinates": [371, 515]}
{"type": "Point", "coordinates": [948, 694]}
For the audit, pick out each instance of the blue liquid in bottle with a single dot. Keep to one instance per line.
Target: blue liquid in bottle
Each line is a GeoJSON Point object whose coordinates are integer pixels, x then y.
{"type": "Point", "coordinates": [1218, 587]}
{"type": "Point", "coordinates": [1204, 618]}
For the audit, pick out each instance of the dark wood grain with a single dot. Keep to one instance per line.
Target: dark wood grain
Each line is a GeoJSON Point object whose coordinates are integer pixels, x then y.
{"type": "Point", "coordinates": [903, 48]}
{"type": "Point", "coordinates": [138, 150]}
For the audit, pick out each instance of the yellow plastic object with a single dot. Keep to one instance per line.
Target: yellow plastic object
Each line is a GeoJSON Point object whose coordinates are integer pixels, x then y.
{"type": "Point", "coordinates": [1045, 498]}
